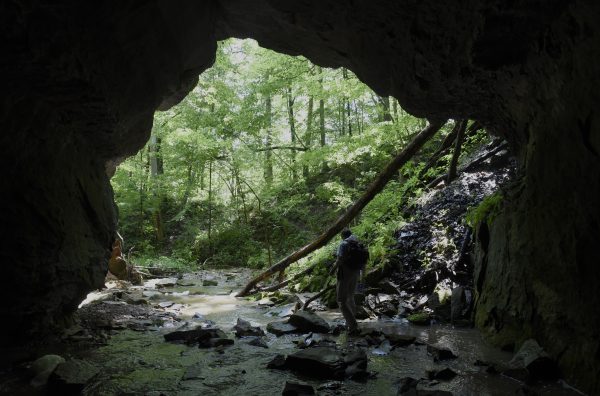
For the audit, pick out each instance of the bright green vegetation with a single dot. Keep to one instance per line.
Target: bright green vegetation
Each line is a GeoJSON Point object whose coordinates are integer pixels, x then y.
{"type": "Point", "coordinates": [259, 158]}
{"type": "Point", "coordinates": [421, 318]}
{"type": "Point", "coordinates": [487, 210]}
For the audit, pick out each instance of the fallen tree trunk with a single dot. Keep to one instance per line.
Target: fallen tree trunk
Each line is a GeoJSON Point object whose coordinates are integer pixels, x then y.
{"type": "Point", "coordinates": [288, 281]}
{"type": "Point", "coordinates": [318, 295]}
{"type": "Point", "coordinates": [376, 186]}
{"type": "Point", "coordinates": [470, 165]}
{"type": "Point", "coordinates": [447, 144]}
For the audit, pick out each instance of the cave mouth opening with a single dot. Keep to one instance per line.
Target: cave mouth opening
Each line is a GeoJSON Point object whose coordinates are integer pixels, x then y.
{"type": "Point", "coordinates": [260, 135]}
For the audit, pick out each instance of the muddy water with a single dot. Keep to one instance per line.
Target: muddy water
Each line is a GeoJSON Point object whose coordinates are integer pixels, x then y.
{"type": "Point", "coordinates": [142, 363]}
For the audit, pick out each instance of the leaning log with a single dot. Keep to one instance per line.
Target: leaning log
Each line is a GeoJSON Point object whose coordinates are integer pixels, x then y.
{"type": "Point", "coordinates": [376, 186]}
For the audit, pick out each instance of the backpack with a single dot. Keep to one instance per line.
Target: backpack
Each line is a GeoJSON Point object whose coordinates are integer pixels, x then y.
{"type": "Point", "coordinates": [355, 255]}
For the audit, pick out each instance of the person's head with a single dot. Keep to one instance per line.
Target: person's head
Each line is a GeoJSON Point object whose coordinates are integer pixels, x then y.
{"type": "Point", "coordinates": [346, 233]}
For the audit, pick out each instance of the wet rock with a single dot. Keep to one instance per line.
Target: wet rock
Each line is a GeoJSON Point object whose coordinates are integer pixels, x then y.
{"type": "Point", "coordinates": [326, 362]}
{"type": "Point", "coordinates": [538, 363]}
{"type": "Point", "coordinates": [165, 282]}
{"type": "Point", "coordinates": [69, 378]}
{"type": "Point", "coordinates": [209, 282]}
{"type": "Point", "coordinates": [439, 354]}
{"type": "Point", "coordinates": [461, 303]}
{"type": "Point", "coordinates": [385, 308]}
{"type": "Point", "coordinates": [362, 313]}
{"type": "Point", "coordinates": [278, 362]}
{"type": "Point", "coordinates": [400, 340]}
{"type": "Point", "coordinates": [388, 286]}
{"type": "Point", "coordinates": [258, 342]}
{"type": "Point", "coordinates": [283, 311]}
{"type": "Point", "coordinates": [215, 342]}
{"type": "Point", "coordinates": [297, 389]}
{"type": "Point", "coordinates": [307, 321]}
{"type": "Point", "coordinates": [151, 294]}
{"type": "Point", "coordinates": [243, 328]}
{"type": "Point", "coordinates": [440, 310]}
{"type": "Point", "coordinates": [407, 384]}
{"type": "Point", "coordinates": [197, 335]}
{"type": "Point", "coordinates": [135, 300]}
{"type": "Point", "coordinates": [318, 363]}
{"type": "Point", "coordinates": [432, 392]}
{"type": "Point", "coordinates": [445, 374]}
{"type": "Point", "coordinates": [281, 328]}
{"type": "Point", "coordinates": [330, 386]}
{"type": "Point", "coordinates": [519, 374]}
{"type": "Point", "coordinates": [43, 367]}
{"type": "Point", "coordinates": [166, 304]}
{"type": "Point", "coordinates": [185, 283]}
{"type": "Point", "coordinates": [193, 372]}
{"type": "Point", "coordinates": [316, 339]}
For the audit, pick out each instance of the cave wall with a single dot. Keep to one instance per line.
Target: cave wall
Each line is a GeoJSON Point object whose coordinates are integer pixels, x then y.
{"type": "Point", "coordinates": [83, 80]}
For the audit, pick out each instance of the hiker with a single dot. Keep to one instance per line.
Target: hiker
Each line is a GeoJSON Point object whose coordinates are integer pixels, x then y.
{"type": "Point", "coordinates": [352, 257]}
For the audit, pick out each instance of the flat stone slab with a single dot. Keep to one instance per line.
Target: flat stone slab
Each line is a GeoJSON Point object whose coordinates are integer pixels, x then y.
{"type": "Point", "coordinates": [328, 363]}
{"type": "Point", "coordinates": [281, 328]}
{"type": "Point", "coordinates": [71, 377]}
{"type": "Point", "coordinates": [307, 321]}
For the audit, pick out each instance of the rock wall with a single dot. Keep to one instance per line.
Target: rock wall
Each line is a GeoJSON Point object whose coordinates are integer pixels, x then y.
{"type": "Point", "coordinates": [83, 80]}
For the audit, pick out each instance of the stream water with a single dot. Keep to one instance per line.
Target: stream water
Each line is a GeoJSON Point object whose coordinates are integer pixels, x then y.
{"type": "Point", "coordinates": [142, 363]}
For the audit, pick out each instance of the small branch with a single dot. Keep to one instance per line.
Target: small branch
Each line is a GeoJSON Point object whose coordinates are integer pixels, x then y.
{"type": "Point", "coordinates": [293, 148]}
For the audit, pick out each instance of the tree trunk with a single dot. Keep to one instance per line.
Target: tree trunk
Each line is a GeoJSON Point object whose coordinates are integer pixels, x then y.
{"type": "Point", "coordinates": [292, 123]}
{"type": "Point", "coordinates": [156, 168]}
{"type": "Point", "coordinates": [376, 186]}
{"type": "Point", "coordinates": [457, 147]}
{"type": "Point", "coordinates": [308, 134]}
{"type": "Point", "coordinates": [268, 143]}
{"type": "Point", "coordinates": [210, 171]}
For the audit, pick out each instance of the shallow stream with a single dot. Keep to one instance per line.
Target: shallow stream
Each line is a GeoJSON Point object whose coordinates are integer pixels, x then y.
{"type": "Point", "coordinates": [142, 363]}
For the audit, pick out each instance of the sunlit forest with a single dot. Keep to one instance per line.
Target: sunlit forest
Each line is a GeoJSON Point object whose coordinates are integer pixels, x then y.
{"type": "Point", "coordinates": [260, 157]}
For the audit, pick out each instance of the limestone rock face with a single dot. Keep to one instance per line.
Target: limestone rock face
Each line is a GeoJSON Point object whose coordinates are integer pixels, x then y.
{"type": "Point", "coordinates": [82, 80]}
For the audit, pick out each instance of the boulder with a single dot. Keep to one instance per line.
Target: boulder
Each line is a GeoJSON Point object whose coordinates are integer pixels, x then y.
{"type": "Point", "coordinates": [43, 367]}
{"type": "Point", "coordinates": [439, 354]}
{"type": "Point", "coordinates": [71, 377]}
{"type": "Point", "coordinates": [361, 313]}
{"type": "Point", "coordinates": [318, 363]}
{"type": "Point", "coordinates": [258, 342]}
{"type": "Point", "coordinates": [400, 340]}
{"type": "Point", "coordinates": [165, 282]}
{"type": "Point", "coordinates": [215, 342]}
{"type": "Point", "coordinates": [197, 335]}
{"type": "Point", "coordinates": [461, 303]}
{"type": "Point", "coordinates": [445, 374]}
{"type": "Point", "coordinates": [307, 321]}
{"type": "Point", "coordinates": [280, 328]}
{"type": "Point", "coordinates": [406, 385]}
{"type": "Point", "coordinates": [538, 363]}
{"type": "Point", "coordinates": [297, 389]}
{"type": "Point", "coordinates": [243, 328]}
{"type": "Point", "coordinates": [278, 362]}
{"type": "Point", "coordinates": [327, 362]}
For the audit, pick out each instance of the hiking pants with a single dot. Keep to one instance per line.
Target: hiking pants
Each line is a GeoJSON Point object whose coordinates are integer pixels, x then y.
{"type": "Point", "coordinates": [346, 286]}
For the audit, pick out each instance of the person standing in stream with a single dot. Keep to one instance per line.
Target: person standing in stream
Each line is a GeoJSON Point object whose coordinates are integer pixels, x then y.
{"type": "Point", "coordinates": [352, 256]}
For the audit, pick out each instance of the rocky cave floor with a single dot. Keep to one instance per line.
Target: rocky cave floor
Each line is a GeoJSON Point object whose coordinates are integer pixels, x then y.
{"type": "Point", "coordinates": [188, 334]}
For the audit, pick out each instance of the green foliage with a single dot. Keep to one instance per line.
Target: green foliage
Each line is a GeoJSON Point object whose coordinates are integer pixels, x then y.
{"type": "Point", "coordinates": [199, 192]}
{"type": "Point", "coordinates": [487, 210]}
{"type": "Point", "coordinates": [420, 318]}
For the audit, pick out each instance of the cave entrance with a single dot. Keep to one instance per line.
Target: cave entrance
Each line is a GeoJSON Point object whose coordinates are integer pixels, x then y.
{"type": "Point", "coordinates": [260, 157]}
